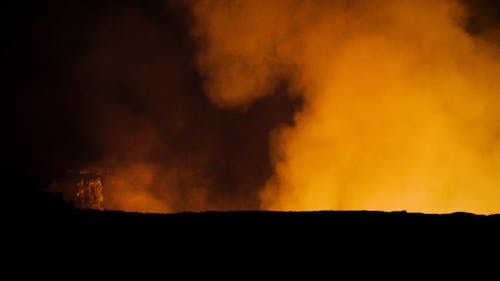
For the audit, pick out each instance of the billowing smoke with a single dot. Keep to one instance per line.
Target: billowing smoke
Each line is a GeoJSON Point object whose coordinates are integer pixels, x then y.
{"type": "Point", "coordinates": [166, 106]}
{"type": "Point", "coordinates": [401, 99]}
{"type": "Point", "coordinates": [112, 87]}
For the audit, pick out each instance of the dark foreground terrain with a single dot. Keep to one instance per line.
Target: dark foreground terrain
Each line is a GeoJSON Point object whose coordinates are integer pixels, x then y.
{"type": "Point", "coordinates": [49, 208]}
{"type": "Point", "coordinates": [52, 223]}
{"type": "Point", "coordinates": [252, 240]}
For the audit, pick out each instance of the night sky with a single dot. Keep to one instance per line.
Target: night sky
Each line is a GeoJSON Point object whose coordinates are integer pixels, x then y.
{"type": "Point", "coordinates": [91, 83]}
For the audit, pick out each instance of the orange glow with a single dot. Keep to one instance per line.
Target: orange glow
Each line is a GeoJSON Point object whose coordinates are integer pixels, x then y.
{"type": "Point", "coordinates": [402, 105]}
{"type": "Point", "coordinates": [129, 188]}
{"type": "Point", "coordinates": [89, 194]}
{"type": "Point", "coordinates": [145, 187]}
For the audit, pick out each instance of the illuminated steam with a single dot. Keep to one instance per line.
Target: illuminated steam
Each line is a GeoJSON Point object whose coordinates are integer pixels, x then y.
{"type": "Point", "coordinates": [402, 105]}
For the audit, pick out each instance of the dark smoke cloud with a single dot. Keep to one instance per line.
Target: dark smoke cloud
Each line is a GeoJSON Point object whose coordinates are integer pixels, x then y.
{"type": "Point", "coordinates": [113, 85]}
{"type": "Point", "coordinates": [484, 18]}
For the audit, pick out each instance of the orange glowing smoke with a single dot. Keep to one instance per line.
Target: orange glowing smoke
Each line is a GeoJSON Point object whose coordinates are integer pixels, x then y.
{"type": "Point", "coordinates": [146, 187]}
{"type": "Point", "coordinates": [402, 105]}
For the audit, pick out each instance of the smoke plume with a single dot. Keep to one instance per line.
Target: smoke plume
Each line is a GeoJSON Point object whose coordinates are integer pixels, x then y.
{"type": "Point", "coordinates": [112, 87]}
{"type": "Point", "coordinates": [167, 105]}
{"type": "Point", "coordinates": [401, 99]}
